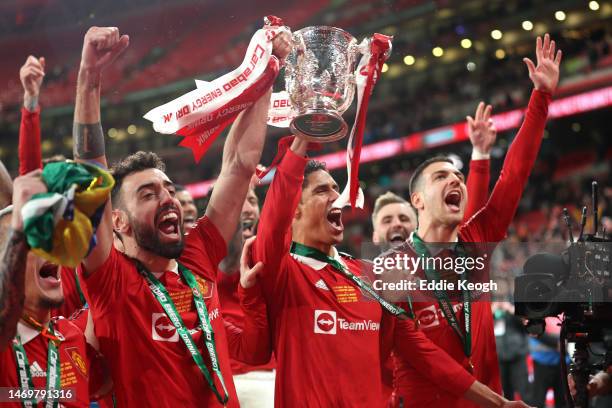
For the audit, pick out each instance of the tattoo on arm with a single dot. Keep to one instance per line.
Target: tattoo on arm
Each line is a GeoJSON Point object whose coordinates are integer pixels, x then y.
{"type": "Point", "coordinates": [30, 103]}
{"type": "Point", "coordinates": [88, 140]}
{"type": "Point", "coordinates": [12, 284]}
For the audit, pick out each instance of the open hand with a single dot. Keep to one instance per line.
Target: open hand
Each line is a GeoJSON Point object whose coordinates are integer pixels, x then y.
{"type": "Point", "coordinates": [481, 129]}
{"type": "Point", "coordinates": [545, 76]}
{"type": "Point", "coordinates": [248, 275]}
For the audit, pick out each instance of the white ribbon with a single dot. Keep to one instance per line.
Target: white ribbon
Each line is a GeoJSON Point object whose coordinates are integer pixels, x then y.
{"type": "Point", "coordinates": [200, 106]}
{"type": "Point", "coordinates": [280, 113]}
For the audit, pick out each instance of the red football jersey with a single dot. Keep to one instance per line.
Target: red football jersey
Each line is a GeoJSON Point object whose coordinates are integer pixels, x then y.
{"type": "Point", "coordinates": [232, 313]}
{"type": "Point", "coordinates": [72, 298]}
{"type": "Point", "coordinates": [74, 364]}
{"type": "Point", "coordinates": [149, 363]}
{"type": "Point", "coordinates": [488, 225]}
{"type": "Point", "coordinates": [330, 339]}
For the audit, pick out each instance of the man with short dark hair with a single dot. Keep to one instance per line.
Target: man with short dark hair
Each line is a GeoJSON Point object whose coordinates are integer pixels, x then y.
{"type": "Point", "coordinates": [439, 195]}
{"type": "Point", "coordinates": [329, 333]}
{"type": "Point", "coordinates": [394, 218]}
{"type": "Point", "coordinates": [155, 306]}
{"type": "Point", "coordinates": [190, 211]}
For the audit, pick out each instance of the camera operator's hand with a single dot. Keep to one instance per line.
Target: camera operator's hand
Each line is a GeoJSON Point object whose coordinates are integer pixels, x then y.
{"type": "Point", "coordinates": [599, 384]}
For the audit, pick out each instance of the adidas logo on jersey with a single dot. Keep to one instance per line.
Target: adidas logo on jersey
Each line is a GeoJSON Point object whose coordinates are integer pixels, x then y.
{"type": "Point", "coordinates": [321, 285]}
{"type": "Point", "coordinates": [36, 370]}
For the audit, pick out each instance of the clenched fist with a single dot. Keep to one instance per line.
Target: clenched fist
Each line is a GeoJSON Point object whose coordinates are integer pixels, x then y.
{"type": "Point", "coordinates": [31, 75]}
{"type": "Point", "coordinates": [281, 45]}
{"type": "Point", "coordinates": [24, 187]}
{"type": "Point", "coordinates": [101, 46]}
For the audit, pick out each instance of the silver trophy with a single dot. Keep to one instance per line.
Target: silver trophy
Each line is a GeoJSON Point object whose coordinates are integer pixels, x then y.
{"type": "Point", "coordinates": [320, 80]}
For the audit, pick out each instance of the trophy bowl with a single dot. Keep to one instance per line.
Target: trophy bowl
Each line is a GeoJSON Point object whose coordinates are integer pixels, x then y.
{"type": "Point", "coordinates": [320, 81]}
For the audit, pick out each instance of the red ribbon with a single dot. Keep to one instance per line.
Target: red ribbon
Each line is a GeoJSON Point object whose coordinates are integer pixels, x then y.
{"type": "Point", "coordinates": [273, 21]}
{"type": "Point", "coordinates": [379, 48]}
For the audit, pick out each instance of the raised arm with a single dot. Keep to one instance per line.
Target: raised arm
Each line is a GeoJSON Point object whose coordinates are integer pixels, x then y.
{"type": "Point", "coordinates": [31, 75]}
{"type": "Point", "coordinates": [101, 46]}
{"type": "Point", "coordinates": [273, 233]}
{"type": "Point", "coordinates": [499, 210]}
{"type": "Point", "coordinates": [241, 154]}
{"type": "Point", "coordinates": [14, 253]}
{"type": "Point", "coordinates": [482, 134]}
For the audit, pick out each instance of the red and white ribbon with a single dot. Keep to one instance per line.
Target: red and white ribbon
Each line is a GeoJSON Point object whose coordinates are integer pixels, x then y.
{"type": "Point", "coordinates": [377, 50]}
{"type": "Point", "coordinates": [202, 114]}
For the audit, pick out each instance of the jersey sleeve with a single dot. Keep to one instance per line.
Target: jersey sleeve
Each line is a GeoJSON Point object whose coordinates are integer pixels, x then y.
{"type": "Point", "coordinates": [251, 342]}
{"type": "Point", "coordinates": [30, 157]}
{"type": "Point", "coordinates": [274, 230]}
{"type": "Point", "coordinates": [204, 249]}
{"type": "Point", "coordinates": [108, 283]}
{"type": "Point", "coordinates": [493, 220]}
{"type": "Point", "coordinates": [417, 350]}
{"type": "Point", "coordinates": [477, 186]}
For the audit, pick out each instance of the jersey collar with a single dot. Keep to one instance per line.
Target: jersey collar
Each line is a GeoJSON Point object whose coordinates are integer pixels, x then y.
{"type": "Point", "coordinates": [316, 264]}
{"type": "Point", "coordinates": [174, 270]}
{"type": "Point", "coordinates": [26, 333]}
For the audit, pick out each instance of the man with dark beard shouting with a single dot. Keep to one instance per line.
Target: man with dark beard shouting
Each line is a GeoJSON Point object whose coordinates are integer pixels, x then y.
{"type": "Point", "coordinates": [155, 306]}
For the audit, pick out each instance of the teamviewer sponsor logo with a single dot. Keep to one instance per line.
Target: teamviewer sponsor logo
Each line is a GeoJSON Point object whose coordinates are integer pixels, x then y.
{"type": "Point", "coordinates": [325, 322]}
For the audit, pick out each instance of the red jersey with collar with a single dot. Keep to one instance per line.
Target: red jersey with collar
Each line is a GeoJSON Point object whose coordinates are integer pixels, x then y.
{"type": "Point", "coordinates": [488, 225]}
{"type": "Point", "coordinates": [233, 313]}
{"type": "Point", "coordinates": [330, 339]}
{"type": "Point", "coordinates": [74, 364]}
{"type": "Point", "coordinates": [150, 365]}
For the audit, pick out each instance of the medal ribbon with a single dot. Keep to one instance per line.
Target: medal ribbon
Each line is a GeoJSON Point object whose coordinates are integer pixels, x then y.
{"type": "Point", "coordinates": [303, 250]}
{"type": "Point", "coordinates": [53, 365]}
{"type": "Point", "coordinates": [444, 301]}
{"type": "Point", "coordinates": [163, 297]}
